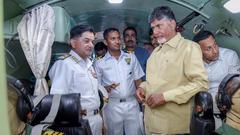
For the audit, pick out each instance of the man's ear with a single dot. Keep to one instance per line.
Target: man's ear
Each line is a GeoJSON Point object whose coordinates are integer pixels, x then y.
{"type": "Point", "coordinates": [72, 43]}
{"type": "Point", "coordinates": [173, 24]}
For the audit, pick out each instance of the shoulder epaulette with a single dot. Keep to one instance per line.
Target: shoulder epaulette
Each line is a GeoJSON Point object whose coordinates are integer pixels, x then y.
{"type": "Point", "coordinates": [64, 57]}
{"type": "Point", "coordinates": [75, 59]}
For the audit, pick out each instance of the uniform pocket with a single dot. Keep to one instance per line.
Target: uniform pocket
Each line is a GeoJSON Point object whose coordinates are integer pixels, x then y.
{"type": "Point", "coordinates": [80, 82]}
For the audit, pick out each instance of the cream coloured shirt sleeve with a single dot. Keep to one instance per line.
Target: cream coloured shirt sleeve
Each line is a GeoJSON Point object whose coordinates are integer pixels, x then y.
{"type": "Point", "coordinates": [143, 85]}
{"type": "Point", "coordinates": [195, 73]}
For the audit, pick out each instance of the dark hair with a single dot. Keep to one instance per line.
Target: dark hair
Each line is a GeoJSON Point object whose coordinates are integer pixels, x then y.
{"type": "Point", "coordinates": [150, 32]}
{"type": "Point", "coordinates": [78, 30]}
{"type": "Point", "coordinates": [202, 35]}
{"type": "Point", "coordinates": [130, 28]}
{"type": "Point", "coordinates": [100, 46]}
{"type": "Point", "coordinates": [108, 30]}
{"type": "Point", "coordinates": [160, 13]}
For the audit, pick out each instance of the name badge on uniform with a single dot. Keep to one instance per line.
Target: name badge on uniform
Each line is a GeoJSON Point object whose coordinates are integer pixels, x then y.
{"type": "Point", "coordinates": [128, 60]}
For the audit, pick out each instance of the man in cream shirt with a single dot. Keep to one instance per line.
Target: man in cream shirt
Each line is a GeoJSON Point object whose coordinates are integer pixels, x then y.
{"type": "Point", "coordinates": [175, 73]}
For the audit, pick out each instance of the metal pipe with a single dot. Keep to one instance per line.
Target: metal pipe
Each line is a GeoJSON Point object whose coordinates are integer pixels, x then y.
{"type": "Point", "coordinates": [4, 102]}
{"type": "Point", "coordinates": [187, 18]}
{"type": "Point", "coordinates": [28, 9]}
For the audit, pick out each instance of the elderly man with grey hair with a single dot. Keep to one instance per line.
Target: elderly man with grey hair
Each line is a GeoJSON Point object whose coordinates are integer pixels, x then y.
{"type": "Point", "coordinates": [175, 73]}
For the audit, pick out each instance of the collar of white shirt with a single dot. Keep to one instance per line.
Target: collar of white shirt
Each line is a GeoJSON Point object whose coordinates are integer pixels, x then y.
{"type": "Point", "coordinates": [109, 56]}
{"type": "Point", "coordinates": [81, 61]}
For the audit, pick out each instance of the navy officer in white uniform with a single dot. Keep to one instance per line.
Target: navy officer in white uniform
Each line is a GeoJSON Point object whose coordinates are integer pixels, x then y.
{"type": "Point", "coordinates": [75, 74]}
{"type": "Point", "coordinates": [120, 73]}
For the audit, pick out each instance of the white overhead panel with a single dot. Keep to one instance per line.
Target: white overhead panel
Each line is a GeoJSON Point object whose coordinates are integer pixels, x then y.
{"type": "Point", "coordinates": [115, 1]}
{"type": "Point", "coordinates": [233, 6]}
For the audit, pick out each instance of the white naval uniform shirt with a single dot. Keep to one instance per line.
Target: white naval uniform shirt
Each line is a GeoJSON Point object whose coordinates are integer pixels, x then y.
{"type": "Point", "coordinates": [217, 70]}
{"type": "Point", "coordinates": [125, 71]}
{"type": "Point", "coordinates": [74, 75]}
